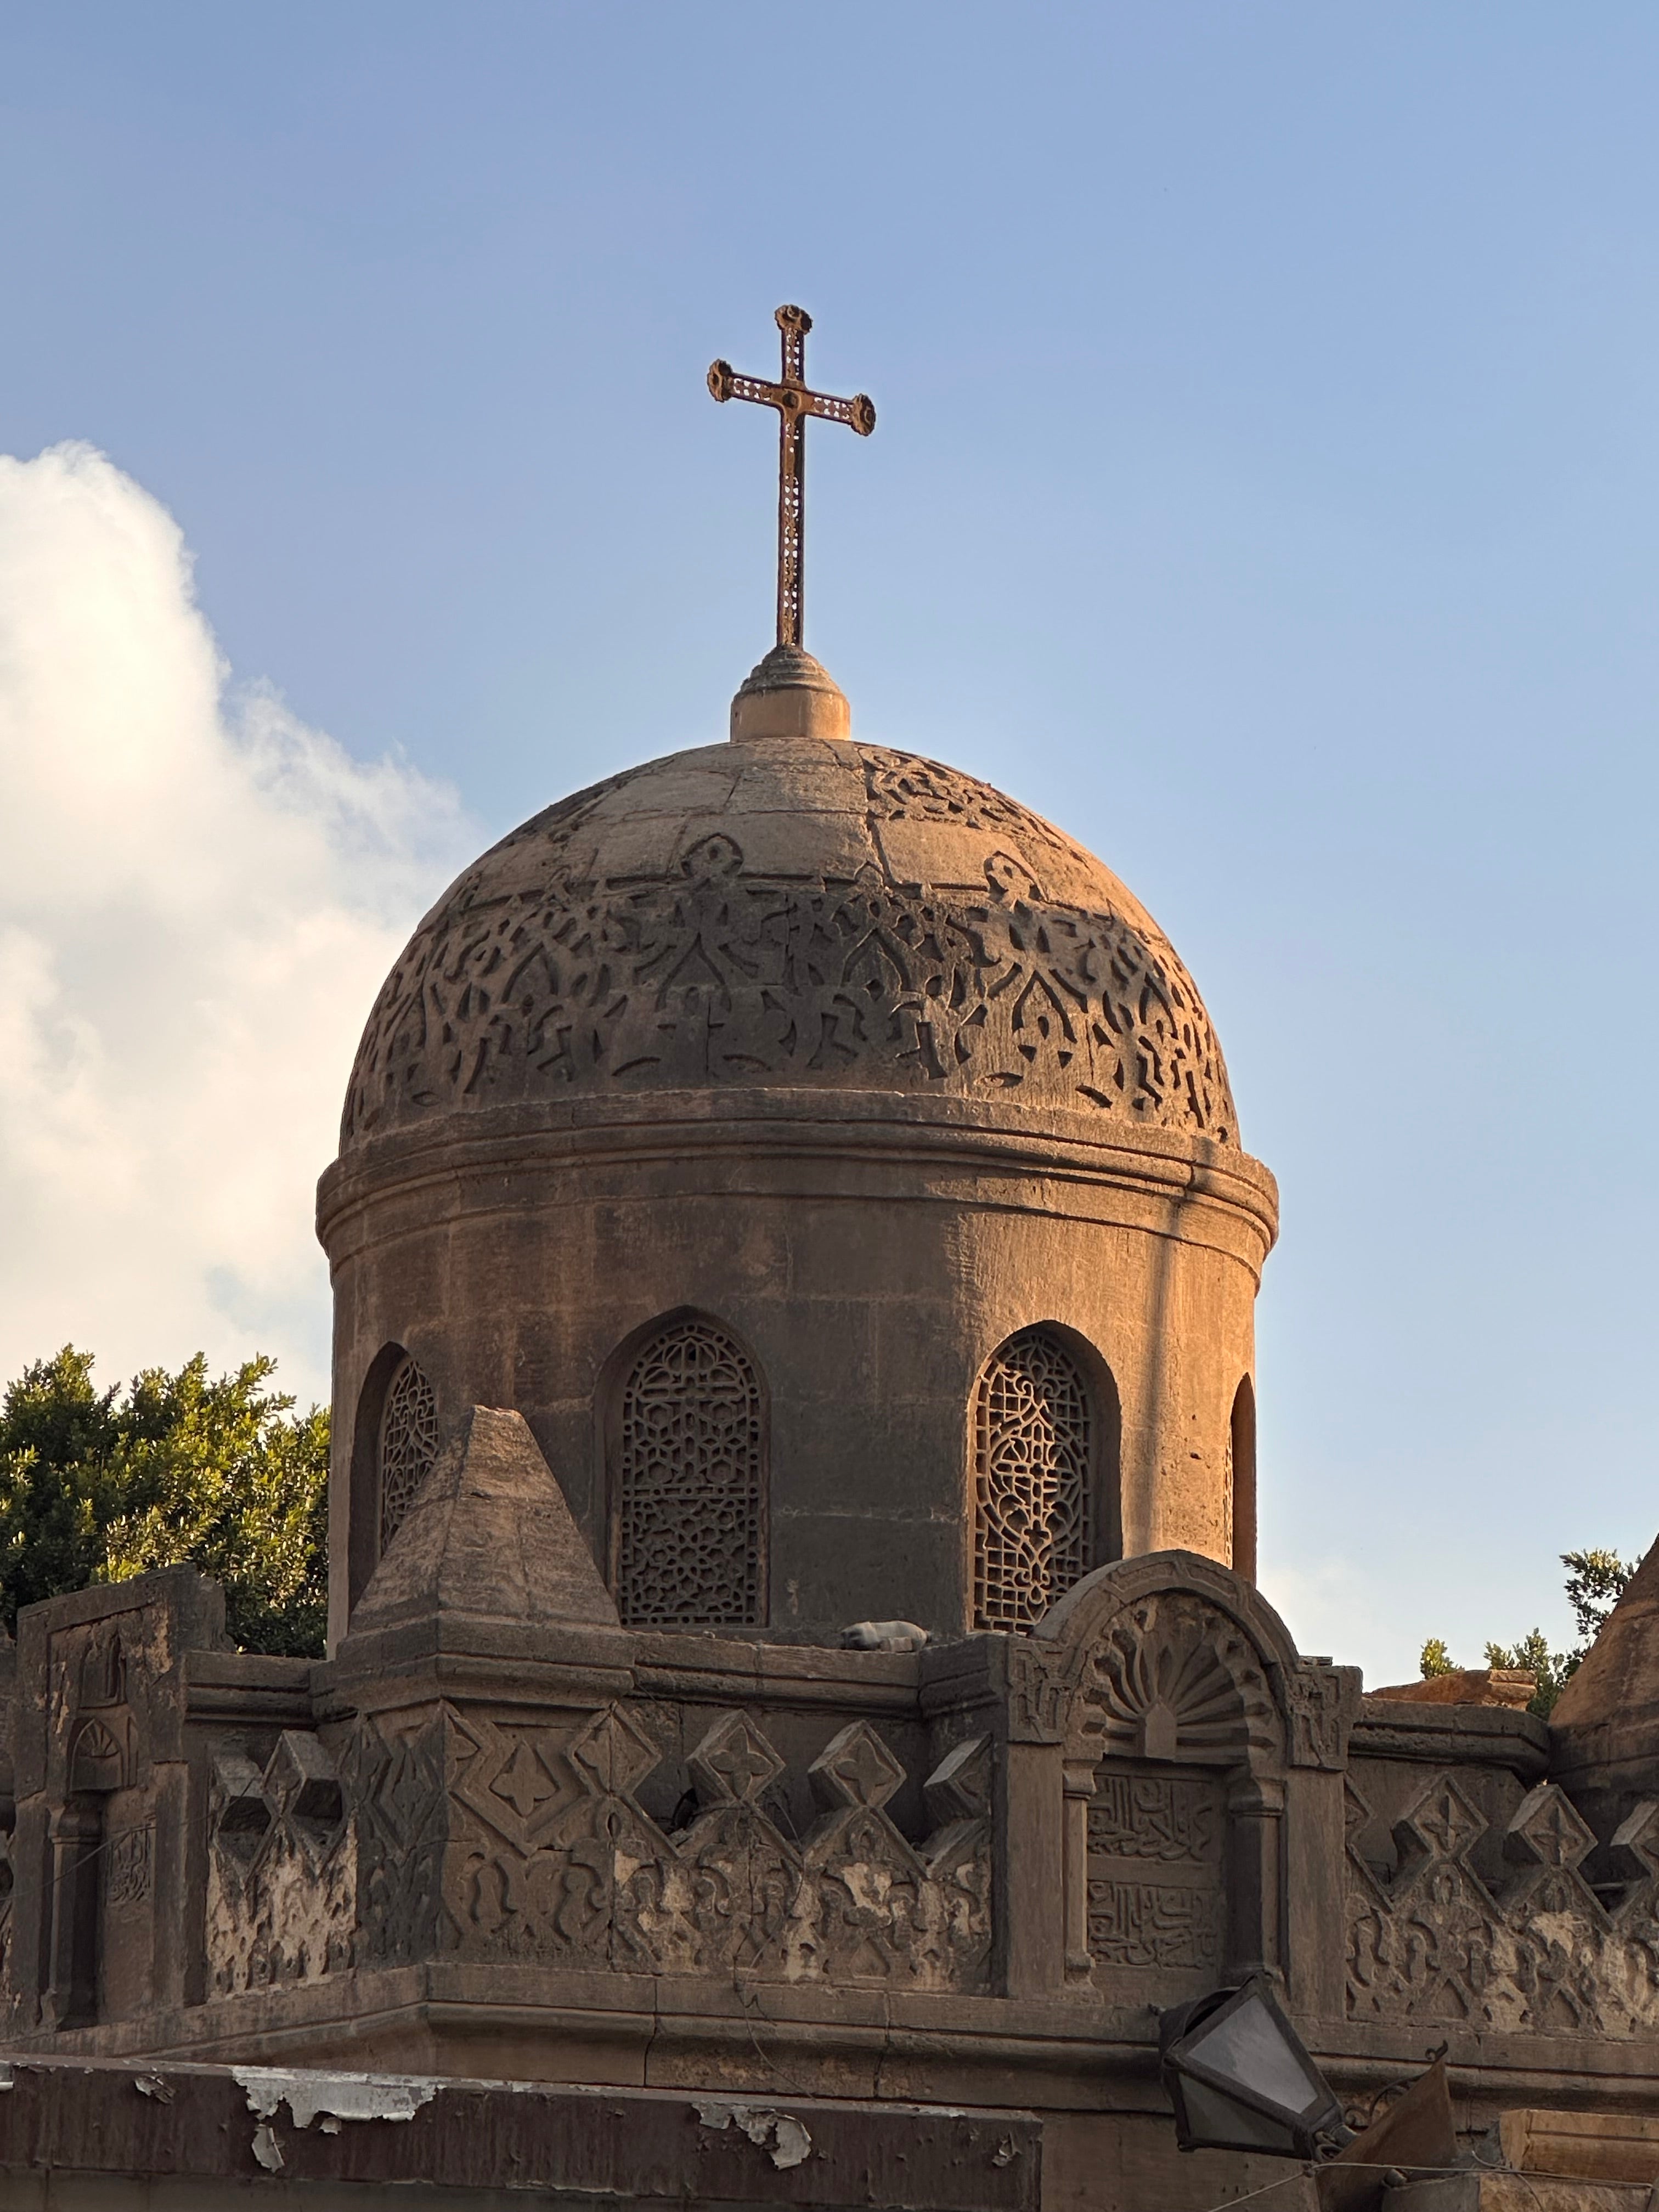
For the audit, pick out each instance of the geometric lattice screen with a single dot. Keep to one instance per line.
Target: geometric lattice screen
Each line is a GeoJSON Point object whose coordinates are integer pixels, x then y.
{"type": "Point", "coordinates": [1031, 1457]}
{"type": "Point", "coordinates": [408, 1443]}
{"type": "Point", "coordinates": [691, 1484]}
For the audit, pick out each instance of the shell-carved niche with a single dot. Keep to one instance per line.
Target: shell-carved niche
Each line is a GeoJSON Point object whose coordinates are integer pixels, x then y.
{"type": "Point", "coordinates": [1174, 1679]}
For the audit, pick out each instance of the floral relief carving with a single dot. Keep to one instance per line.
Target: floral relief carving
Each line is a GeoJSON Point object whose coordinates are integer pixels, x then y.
{"type": "Point", "coordinates": [714, 972]}
{"type": "Point", "coordinates": [1042, 1679]}
{"type": "Point", "coordinates": [1320, 1703]}
{"type": "Point", "coordinates": [1543, 1953]}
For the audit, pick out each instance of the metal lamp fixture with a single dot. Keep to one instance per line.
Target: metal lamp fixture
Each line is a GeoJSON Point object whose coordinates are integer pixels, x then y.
{"type": "Point", "coordinates": [1240, 2078]}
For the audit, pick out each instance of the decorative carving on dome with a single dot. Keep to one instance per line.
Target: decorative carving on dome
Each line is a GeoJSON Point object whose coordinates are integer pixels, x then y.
{"type": "Point", "coordinates": [716, 972]}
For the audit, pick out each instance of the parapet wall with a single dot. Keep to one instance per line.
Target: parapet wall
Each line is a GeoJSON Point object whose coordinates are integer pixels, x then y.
{"type": "Point", "coordinates": [973, 1871]}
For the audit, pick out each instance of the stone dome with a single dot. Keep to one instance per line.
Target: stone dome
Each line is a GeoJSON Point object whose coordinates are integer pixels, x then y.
{"type": "Point", "coordinates": [791, 912]}
{"type": "Point", "coordinates": [774, 1127]}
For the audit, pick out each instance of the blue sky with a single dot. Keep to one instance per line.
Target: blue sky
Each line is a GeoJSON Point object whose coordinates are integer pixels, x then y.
{"type": "Point", "coordinates": [1266, 486]}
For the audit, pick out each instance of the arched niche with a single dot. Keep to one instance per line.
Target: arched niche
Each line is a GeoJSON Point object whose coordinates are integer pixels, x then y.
{"type": "Point", "coordinates": [685, 1435]}
{"type": "Point", "coordinates": [1044, 1449]}
{"type": "Point", "coordinates": [394, 1441]}
{"type": "Point", "coordinates": [1187, 1705]}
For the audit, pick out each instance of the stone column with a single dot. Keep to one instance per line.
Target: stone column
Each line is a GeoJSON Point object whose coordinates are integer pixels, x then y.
{"type": "Point", "coordinates": [1079, 1783]}
{"type": "Point", "coordinates": [1032, 1866]}
{"type": "Point", "coordinates": [1255, 1812]}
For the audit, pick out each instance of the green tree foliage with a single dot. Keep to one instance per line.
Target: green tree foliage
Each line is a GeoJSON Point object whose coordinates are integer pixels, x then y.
{"type": "Point", "coordinates": [215, 1473]}
{"type": "Point", "coordinates": [1594, 1583]}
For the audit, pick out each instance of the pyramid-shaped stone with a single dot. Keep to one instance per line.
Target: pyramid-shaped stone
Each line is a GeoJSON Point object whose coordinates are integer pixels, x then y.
{"type": "Point", "coordinates": [489, 1536]}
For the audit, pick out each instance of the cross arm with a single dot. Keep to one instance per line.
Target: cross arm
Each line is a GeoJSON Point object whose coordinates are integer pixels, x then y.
{"type": "Point", "coordinates": [858, 413]}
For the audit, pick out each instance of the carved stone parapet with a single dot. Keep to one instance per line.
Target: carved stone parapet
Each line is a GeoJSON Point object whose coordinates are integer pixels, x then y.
{"type": "Point", "coordinates": [491, 1837]}
{"type": "Point", "coordinates": [282, 1880]}
{"type": "Point", "coordinates": [1539, 1952]}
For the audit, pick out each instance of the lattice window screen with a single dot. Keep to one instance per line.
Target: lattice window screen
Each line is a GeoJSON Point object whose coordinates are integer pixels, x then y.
{"type": "Point", "coordinates": [408, 1443]}
{"type": "Point", "coordinates": [691, 1484]}
{"type": "Point", "coordinates": [1032, 1423]}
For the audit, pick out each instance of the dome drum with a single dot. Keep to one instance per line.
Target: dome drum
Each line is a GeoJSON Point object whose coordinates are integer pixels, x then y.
{"type": "Point", "coordinates": [738, 1122]}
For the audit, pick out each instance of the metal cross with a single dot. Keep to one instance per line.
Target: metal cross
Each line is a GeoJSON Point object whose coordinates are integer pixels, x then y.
{"type": "Point", "coordinates": [794, 402]}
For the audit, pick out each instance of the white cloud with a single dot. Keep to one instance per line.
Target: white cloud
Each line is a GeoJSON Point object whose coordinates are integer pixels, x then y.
{"type": "Point", "coordinates": [198, 899]}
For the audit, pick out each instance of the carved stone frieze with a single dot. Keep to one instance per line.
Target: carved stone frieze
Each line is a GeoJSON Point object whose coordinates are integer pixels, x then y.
{"type": "Point", "coordinates": [545, 972]}
{"type": "Point", "coordinates": [282, 1885]}
{"type": "Point", "coordinates": [539, 1849]}
{"type": "Point", "coordinates": [1543, 1953]}
{"type": "Point", "coordinates": [396, 1789]}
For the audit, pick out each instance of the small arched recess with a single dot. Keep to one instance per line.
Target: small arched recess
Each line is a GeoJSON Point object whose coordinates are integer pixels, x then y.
{"type": "Point", "coordinates": [1045, 1450]}
{"type": "Point", "coordinates": [1241, 1456]}
{"type": "Point", "coordinates": [686, 1477]}
{"type": "Point", "coordinates": [393, 1444]}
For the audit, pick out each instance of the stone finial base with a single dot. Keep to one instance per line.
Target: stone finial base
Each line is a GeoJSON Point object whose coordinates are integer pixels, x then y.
{"type": "Point", "coordinates": [789, 695]}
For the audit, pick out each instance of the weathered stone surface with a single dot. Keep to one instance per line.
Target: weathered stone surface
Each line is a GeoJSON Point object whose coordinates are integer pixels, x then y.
{"type": "Point", "coordinates": [1514, 1937]}
{"type": "Point", "coordinates": [1604, 1724]}
{"type": "Point", "coordinates": [1593, 2146]}
{"type": "Point", "coordinates": [1509, 1687]}
{"type": "Point", "coordinates": [690, 921]}
{"type": "Point", "coordinates": [489, 1535]}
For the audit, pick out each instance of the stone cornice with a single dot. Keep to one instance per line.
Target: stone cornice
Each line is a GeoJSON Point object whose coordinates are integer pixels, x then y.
{"type": "Point", "coordinates": [779, 1140]}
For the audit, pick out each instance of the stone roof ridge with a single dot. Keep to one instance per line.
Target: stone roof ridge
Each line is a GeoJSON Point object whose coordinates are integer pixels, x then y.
{"type": "Point", "coordinates": [489, 1535]}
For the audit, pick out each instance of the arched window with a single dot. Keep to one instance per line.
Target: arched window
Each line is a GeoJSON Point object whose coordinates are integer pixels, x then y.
{"type": "Point", "coordinates": [1241, 1454]}
{"type": "Point", "coordinates": [688, 1482]}
{"type": "Point", "coordinates": [408, 1443]}
{"type": "Point", "coordinates": [1034, 1448]}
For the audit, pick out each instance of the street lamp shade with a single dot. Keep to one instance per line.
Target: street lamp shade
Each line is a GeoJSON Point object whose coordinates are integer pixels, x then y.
{"type": "Point", "coordinates": [1240, 2079]}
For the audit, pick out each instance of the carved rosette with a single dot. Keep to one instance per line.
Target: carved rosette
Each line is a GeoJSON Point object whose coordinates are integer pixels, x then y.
{"type": "Point", "coordinates": [711, 970]}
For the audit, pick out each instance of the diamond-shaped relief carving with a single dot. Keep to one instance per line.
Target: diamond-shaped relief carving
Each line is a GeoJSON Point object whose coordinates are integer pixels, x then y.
{"type": "Point", "coordinates": [733, 1763]}
{"type": "Point", "coordinates": [1444, 1822]}
{"type": "Point", "coordinates": [959, 1787]}
{"type": "Point", "coordinates": [515, 1783]}
{"type": "Point", "coordinates": [300, 1779]}
{"type": "Point", "coordinates": [615, 1753]}
{"type": "Point", "coordinates": [855, 1767]}
{"type": "Point", "coordinates": [1635, 1846]}
{"type": "Point", "coordinates": [1546, 1829]}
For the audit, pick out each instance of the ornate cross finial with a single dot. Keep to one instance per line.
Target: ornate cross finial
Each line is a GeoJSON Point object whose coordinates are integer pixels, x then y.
{"type": "Point", "coordinates": [794, 402]}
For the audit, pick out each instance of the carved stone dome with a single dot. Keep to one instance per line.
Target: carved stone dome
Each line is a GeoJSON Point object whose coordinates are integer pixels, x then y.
{"type": "Point", "coordinates": [835, 1167]}
{"type": "Point", "coordinates": [790, 913]}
